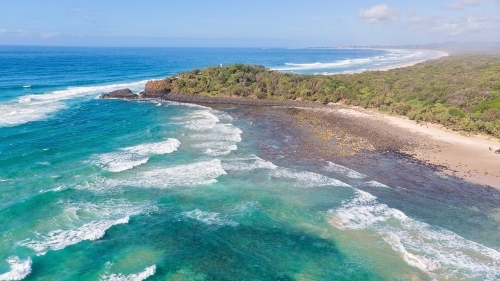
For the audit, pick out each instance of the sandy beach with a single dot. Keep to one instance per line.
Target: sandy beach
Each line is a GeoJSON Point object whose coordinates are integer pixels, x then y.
{"type": "Point", "coordinates": [439, 54]}
{"type": "Point", "coordinates": [467, 157]}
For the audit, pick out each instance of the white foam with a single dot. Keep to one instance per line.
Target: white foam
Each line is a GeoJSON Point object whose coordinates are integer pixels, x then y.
{"type": "Point", "coordinates": [148, 272]}
{"type": "Point", "coordinates": [214, 137]}
{"type": "Point", "coordinates": [60, 239]}
{"type": "Point", "coordinates": [12, 114]}
{"type": "Point", "coordinates": [332, 167]}
{"type": "Point", "coordinates": [37, 107]}
{"type": "Point", "coordinates": [248, 163]}
{"type": "Point", "coordinates": [192, 105]}
{"type": "Point", "coordinates": [19, 269]}
{"type": "Point", "coordinates": [79, 222]}
{"type": "Point", "coordinates": [133, 156]}
{"type": "Point", "coordinates": [220, 139]}
{"type": "Point", "coordinates": [393, 57]}
{"type": "Point", "coordinates": [375, 184]}
{"type": "Point", "coordinates": [210, 218]}
{"type": "Point", "coordinates": [118, 162]}
{"type": "Point", "coordinates": [217, 148]}
{"type": "Point", "coordinates": [223, 132]}
{"type": "Point", "coordinates": [99, 184]}
{"type": "Point", "coordinates": [305, 179]}
{"type": "Point", "coordinates": [437, 251]}
{"type": "Point", "coordinates": [201, 120]}
{"type": "Point", "coordinates": [199, 173]}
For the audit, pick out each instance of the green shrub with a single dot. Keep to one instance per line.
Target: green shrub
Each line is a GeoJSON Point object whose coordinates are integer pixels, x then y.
{"type": "Point", "coordinates": [455, 112]}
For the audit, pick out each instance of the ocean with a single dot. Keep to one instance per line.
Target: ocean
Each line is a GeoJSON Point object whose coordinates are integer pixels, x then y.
{"type": "Point", "coordinates": [116, 190]}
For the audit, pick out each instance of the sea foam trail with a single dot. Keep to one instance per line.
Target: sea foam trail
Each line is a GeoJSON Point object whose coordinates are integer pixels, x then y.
{"type": "Point", "coordinates": [439, 252]}
{"type": "Point", "coordinates": [79, 222]}
{"type": "Point", "coordinates": [209, 218]}
{"type": "Point", "coordinates": [249, 163]}
{"type": "Point", "coordinates": [133, 156]}
{"type": "Point", "coordinates": [305, 179]}
{"type": "Point", "coordinates": [148, 272]}
{"type": "Point", "coordinates": [19, 269]}
{"type": "Point", "coordinates": [332, 167]}
{"type": "Point", "coordinates": [37, 107]}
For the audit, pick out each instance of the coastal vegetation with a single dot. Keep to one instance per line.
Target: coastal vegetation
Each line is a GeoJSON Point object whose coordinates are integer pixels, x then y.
{"type": "Point", "coordinates": [460, 92]}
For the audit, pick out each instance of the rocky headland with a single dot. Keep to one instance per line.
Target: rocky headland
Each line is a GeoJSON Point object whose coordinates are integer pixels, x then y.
{"type": "Point", "coordinates": [126, 94]}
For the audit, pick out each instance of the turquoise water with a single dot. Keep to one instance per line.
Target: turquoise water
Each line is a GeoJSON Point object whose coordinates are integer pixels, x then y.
{"type": "Point", "coordinates": [115, 190]}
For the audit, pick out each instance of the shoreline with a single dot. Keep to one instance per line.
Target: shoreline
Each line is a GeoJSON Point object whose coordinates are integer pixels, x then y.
{"type": "Point", "coordinates": [441, 54]}
{"type": "Point", "coordinates": [453, 154]}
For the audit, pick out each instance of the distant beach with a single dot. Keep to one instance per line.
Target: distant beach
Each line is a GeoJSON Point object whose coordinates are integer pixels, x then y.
{"type": "Point", "coordinates": [439, 54]}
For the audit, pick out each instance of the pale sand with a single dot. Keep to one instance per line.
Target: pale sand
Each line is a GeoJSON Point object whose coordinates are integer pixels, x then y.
{"type": "Point", "coordinates": [467, 157]}
{"type": "Point", "coordinates": [440, 54]}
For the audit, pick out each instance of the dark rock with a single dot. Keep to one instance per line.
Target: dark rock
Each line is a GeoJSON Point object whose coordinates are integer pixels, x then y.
{"type": "Point", "coordinates": [120, 94]}
{"type": "Point", "coordinates": [149, 94]}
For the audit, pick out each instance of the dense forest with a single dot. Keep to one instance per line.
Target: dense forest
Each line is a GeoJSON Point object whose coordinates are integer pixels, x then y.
{"type": "Point", "coordinates": [459, 92]}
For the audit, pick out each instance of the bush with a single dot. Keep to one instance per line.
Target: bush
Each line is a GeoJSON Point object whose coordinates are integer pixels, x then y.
{"type": "Point", "coordinates": [455, 112]}
{"type": "Point", "coordinates": [491, 114]}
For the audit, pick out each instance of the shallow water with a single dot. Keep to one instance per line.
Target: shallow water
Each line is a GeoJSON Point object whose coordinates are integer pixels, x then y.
{"type": "Point", "coordinates": [115, 190]}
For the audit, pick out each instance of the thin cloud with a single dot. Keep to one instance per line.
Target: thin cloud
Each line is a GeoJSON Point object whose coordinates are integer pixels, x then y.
{"type": "Point", "coordinates": [379, 14]}
{"type": "Point", "coordinates": [85, 14]}
{"type": "Point", "coordinates": [21, 32]}
{"type": "Point", "coordinates": [46, 35]}
{"type": "Point", "coordinates": [464, 26]}
{"type": "Point", "coordinates": [462, 4]}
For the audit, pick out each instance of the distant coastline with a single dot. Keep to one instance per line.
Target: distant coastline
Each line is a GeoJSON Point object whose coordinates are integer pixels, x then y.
{"type": "Point", "coordinates": [451, 47]}
{"type": "Point", "coordinates": [440, 54]}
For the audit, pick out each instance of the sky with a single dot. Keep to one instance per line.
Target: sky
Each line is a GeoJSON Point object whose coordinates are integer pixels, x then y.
{"type": "Point", "coordinates": [237, 23]}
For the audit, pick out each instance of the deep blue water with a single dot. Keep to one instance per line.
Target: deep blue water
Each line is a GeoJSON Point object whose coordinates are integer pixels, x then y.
{"type": "Point", "coordinates": [114, 190]}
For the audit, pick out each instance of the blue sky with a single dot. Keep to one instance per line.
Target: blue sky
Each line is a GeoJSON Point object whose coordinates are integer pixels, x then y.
{"type": "Point", "coordinates": [257, 23]}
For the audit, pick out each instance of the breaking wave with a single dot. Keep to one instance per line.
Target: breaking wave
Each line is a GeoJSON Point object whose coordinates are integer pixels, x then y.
{"type": "Point", "coordinates": [212, 136]}
{"type": "Point", "coordinates": [437, 251]}
{"type": "Point", "coordinates": [348, 65]}
{"type": "Point", "coordinates": [305, 179]}
{"type": "Point", "coordinates": [148, 272]}
{"type": "Point", "coordinates": [19, 269]}
{"type": "Point", "coordinates": [79, 222]}
{"type": "Point", "coordinates": [247, 163]}
{"type": "Point", "coordinates": [37, 107]}
{"type": "Point", "coordinates": [133, 156]}
{"type": "Point", "coordinates": [332, 167]}
{"type": "Point", "coordinates": [200, 173]}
